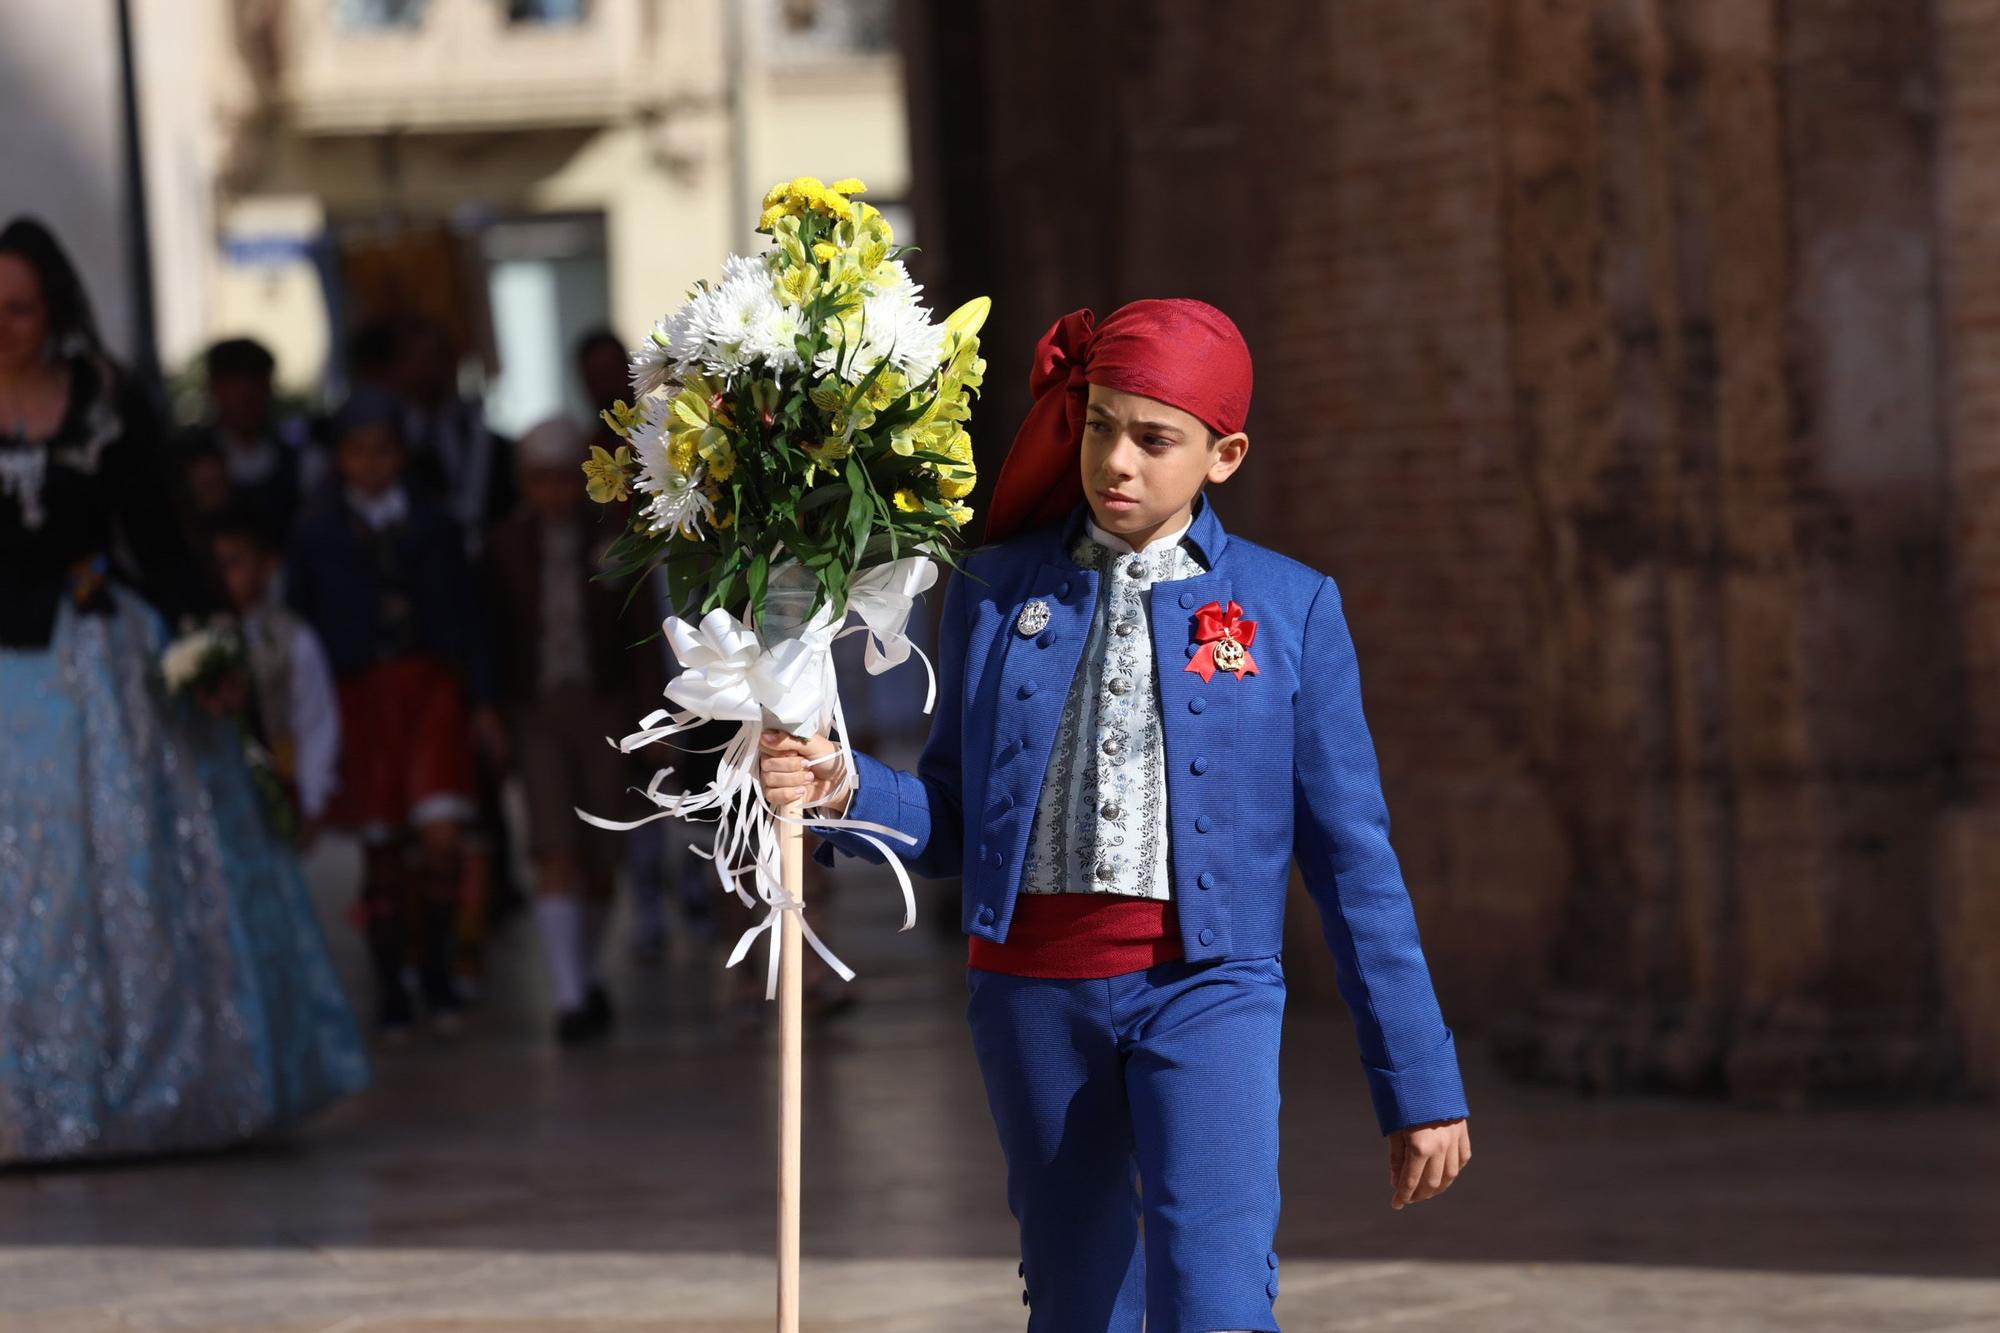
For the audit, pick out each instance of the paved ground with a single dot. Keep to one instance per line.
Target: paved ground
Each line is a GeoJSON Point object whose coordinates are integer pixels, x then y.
{"type": "Point", "coordinates": [499, 1185]}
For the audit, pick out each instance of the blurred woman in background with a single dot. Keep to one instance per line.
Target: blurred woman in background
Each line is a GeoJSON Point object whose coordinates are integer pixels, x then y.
{"type": "Point", "coordinates": [164, 984]}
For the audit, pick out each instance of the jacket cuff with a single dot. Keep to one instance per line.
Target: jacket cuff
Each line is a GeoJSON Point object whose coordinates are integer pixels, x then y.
{"type": "Point", "coordinates": [1420, 1093]}
{"type": "Point", "coordinates": [874, 800]}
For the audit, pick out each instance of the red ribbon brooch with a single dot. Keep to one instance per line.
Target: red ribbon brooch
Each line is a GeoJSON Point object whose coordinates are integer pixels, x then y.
{"type": "Point", "coordinates": [1225, 638]}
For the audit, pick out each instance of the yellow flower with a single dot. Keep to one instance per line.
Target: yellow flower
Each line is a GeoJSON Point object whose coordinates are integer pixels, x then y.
{"type": "Point", "coordinates": [622, 418]}
{"type": "Point", "coordinates": [956, 483]}
{"type": "Point", "coordinates": [887, 388]}
{"type": "Point", "coordinates": [825, 452]}
{"type": "Point", "coordinates": [958, 515]}
{"type": "Point", "coordinates": [848, 185]}
{"type": "Point", "coordinates": [907, 501]}
{"type": "Point", "coordinates": [719, 454]}
{"type": "Point", "coordinates": [605, 474]}
{"type": "Point", "coordinates": [683, 451]}
{"type": "Point", "coordinates": [799, 284]}
{"type": "Point", "coordinates": [968, 319]}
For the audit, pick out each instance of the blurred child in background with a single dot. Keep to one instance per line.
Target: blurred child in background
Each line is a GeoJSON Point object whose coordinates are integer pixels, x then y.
{"type": "Point", "coordinates": [291, 686]}
{"type": "Point", "coordinates": [570, 677]}
{"type": "Point", "coordinates": [382, 577]}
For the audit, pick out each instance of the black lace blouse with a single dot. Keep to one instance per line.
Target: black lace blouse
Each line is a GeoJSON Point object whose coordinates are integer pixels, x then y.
{"type": "Point", "coordinates": [93, 499]}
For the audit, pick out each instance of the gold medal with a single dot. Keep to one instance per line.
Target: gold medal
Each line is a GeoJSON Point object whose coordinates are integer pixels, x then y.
{"type": "Point", "coordinates": [1229, 655]}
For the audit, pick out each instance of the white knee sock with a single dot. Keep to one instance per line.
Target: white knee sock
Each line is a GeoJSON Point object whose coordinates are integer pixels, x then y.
{"type": "Point", "coordinates": [559, 918]}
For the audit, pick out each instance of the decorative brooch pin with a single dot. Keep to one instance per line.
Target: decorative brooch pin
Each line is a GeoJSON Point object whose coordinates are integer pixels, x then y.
{"type": "Point", "coordinates": [1034, 618]}
{"type": "Point", "coordinates": [1225, 638]}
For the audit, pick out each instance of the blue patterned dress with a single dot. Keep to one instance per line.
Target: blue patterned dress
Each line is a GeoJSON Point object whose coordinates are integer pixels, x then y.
{"type": "Point", "coordinates": [164, 982]}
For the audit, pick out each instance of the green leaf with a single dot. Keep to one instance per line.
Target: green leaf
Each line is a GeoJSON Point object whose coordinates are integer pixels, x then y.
{"type": "Point", "coordinates": [760, 570]}
{"type": "Point", "coordinates": [822, 496]}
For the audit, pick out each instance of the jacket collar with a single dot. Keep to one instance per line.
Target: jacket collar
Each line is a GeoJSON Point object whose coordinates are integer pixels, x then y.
{"type": "Point", "coordinates": [1205, 532]}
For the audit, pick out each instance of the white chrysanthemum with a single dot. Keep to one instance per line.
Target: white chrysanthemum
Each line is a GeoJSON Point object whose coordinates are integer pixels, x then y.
{"type": "Point", "coordinates": [657, 473]}
{"type": "Point", "coordinates": [655, 359]}
{"type": "Point", "coordinates": [681, 509]}
{"type": "Point", "coordinates": [892, 326]}
{"type": "Point", "coordinates": [725, 319]}
{"type": "Point", "coordinates": [773, 337]}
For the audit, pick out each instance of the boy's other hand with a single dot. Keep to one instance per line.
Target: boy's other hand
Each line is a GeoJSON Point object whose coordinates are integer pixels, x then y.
{"type": "Point", "coordinates": [1425, 1159]}
{"type": "Point", "coordinates": [789, 775]}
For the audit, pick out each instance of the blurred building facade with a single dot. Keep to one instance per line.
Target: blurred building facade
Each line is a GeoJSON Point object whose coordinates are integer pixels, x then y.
{"type": "Point", "coordinates": [1626, 360]}
{"type": "Point", "coordinates": [520, 169]}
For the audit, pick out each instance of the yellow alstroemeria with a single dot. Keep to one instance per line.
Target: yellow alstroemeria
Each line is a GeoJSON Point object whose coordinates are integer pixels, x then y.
{"type": "Point", "coordinates": [622, 418]}
{"type": "Point", "coordinates": [966, 321]}
{"type": "Point", "coordinates": [605, 474]}
{"type": "Point", "coordinates": [829, 451]}
{"type": "Point", "coordinates": [684, 451]}
{"type": "Point", "coordinates": [799, 284]}
{"type": "Point", "coordinates": [888, 387]}
{"type": "Point", "coordinates": [907, 501]}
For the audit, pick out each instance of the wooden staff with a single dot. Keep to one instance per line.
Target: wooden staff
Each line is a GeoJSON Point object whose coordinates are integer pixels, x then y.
{"type": "Point", "coordinates": [791, 1030]}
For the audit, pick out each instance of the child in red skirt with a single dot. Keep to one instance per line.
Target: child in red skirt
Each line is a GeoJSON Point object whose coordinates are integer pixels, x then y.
{"type": "Point", "coordinates": [381, 575]}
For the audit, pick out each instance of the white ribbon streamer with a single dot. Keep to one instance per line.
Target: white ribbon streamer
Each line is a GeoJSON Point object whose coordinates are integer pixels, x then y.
{"type": "Point", "coordinates": [784, 678]}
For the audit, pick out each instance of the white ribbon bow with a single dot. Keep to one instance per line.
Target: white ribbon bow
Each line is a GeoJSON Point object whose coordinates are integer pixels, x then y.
{"type": "Point", "coordinates": [728, 673]}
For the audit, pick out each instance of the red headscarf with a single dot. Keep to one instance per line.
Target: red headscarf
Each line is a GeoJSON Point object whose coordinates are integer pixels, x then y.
{"type": "Point", "coordinates": [1184, 353]}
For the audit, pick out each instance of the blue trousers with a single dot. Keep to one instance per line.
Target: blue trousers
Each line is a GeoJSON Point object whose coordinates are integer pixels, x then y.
{"type": "Point", "coordinates": [1151, 1096]}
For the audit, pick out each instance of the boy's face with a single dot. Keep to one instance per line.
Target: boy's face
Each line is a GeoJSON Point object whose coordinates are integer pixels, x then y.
{"type": "Point", "coordinates": [242, 402]}
{"type": "Point", "coordinates": [370, 458]}
{"type": "Point", "coordinates": [246, 569]}
{"type": "Point", "coordinates": [1144, 462]}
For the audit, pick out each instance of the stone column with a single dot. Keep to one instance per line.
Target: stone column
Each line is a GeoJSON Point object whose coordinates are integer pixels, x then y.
{"type": "Point", "coordinates": [1968, 925]}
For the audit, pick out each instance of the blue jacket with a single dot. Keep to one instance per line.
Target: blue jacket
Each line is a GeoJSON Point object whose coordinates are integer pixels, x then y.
{"type": "Point", "coordinates": [1273, 766]}
{"type": "Point", "coordinates": [331, 580]}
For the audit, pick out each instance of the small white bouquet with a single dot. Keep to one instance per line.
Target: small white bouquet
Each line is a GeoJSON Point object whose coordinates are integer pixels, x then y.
{"type": "Point", "coordinates": [202, 657]}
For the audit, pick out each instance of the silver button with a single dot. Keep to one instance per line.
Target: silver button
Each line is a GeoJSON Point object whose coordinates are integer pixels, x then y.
{"type": "Point", "coordinates": [1113, 746]}
{"type": "Point", "coordinates": [1112, 810]}
{"type": "Point", "coordinates": [1105, 870]}
{"type": "Point", "coordinates": [1126, 627]}
{"type": "Point", "coordinates": [1121, 685]}
{"type": "Point", "coordinates": [1137, 569]}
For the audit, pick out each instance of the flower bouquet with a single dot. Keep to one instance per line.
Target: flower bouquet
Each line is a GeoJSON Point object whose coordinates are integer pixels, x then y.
{"type": "Point", "coordinates": [203, 658]}
{"type": "Point", "coordinates": [797, 452]}
{"type": "Point", "coordinates": [209, 662]}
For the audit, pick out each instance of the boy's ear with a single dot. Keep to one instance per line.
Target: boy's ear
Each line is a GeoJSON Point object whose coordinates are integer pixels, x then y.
{"type": "Point", "coordinates": [1229, 452]}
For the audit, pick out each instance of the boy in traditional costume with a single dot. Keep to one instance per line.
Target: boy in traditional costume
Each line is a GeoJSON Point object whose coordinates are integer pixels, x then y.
{"type": "Point", "coordinates": [1142, 720]}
